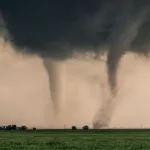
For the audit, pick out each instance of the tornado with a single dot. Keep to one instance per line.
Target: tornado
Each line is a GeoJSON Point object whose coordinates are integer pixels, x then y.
{"type": "Point", "coordinates": [57, 83]}
{"type": "Point", "coordinates": [120, 40]}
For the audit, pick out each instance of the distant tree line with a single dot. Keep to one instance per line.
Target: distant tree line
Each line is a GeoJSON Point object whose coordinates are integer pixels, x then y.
{"type": "Point", "coordinates": [24, 128]}
{"type": "Point", "coordinates": [14, 127]}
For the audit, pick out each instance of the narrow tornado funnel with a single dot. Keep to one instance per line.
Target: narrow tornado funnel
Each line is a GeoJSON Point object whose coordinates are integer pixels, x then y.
{"type": "Point", "coordinates": [56, 72]}
{"type": "Point", "coordinates": [123, 34]}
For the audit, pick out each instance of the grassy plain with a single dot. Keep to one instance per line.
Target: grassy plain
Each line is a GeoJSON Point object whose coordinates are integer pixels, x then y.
{"type": "Point", "coordinates": [75, 140]}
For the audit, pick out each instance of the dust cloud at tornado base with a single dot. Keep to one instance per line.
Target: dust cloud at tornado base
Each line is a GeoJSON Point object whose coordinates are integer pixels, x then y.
{"type": "Point", "coordinates": [24, 91]}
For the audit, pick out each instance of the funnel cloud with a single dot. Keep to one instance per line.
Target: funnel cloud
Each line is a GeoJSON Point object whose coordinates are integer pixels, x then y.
{"type": "Point", "coordinates": [55, 30]}
{"type": "Point", "coordinates": [57, 80]}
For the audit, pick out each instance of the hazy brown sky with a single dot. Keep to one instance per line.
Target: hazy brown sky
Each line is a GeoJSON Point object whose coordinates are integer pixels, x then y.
{"type": "Point", "coordinates": [25, 99]}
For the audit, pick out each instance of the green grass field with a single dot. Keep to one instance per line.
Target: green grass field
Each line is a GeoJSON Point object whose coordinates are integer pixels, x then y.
{"type": "Point", "coordinates": [75, 140]}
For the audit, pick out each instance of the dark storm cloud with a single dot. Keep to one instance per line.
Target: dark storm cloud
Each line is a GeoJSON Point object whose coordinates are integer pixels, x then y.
{"type": "Point", "coordinates": [54, 27]}
{"type": "Point", "coordinates": [57, 27]}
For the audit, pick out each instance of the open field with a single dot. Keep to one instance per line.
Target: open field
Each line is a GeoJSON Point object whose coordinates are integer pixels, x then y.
{"type": "Point", "coordinates": [66, 139]}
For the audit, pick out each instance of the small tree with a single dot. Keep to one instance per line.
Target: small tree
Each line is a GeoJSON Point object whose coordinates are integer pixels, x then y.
{"type": "Point", "coordinates": [85, 127]}
{"type": "Point", "coordinates": [14, 127]}
{"type": "Point", "coordinates": [23, 128]}
{"type": "Point", "coordinates": [34, 129]}
{"type": "Point", "coordinates": [74, 128]}
{"type": "Point", "coordinates": [9, 127]}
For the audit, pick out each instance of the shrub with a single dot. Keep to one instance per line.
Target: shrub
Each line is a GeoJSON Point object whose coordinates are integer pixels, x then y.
{"type": "Point", "coordinates": [34, 129]}
{"type": "Point", "coordinates": [9, 127]}
{"type": "Point", "coordinates": [85, 127]}
{"type": "Point", "coordinates": [24, 128]}
{"type": "Point", "coordinates": [74, 128]}
{"type": "Point", "coordinates": [14, 127]}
